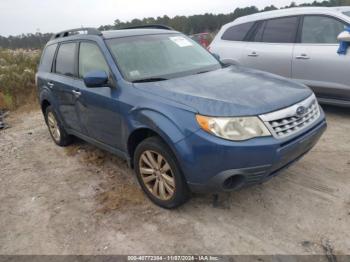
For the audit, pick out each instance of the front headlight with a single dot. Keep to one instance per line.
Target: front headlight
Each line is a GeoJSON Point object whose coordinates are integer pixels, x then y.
{"type": "Point", "coordinates": [233, 128]}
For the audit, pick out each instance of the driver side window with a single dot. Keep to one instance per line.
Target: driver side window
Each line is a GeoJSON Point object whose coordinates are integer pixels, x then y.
{"type": "Point", "coordinates": [91, 59]}
{"type": "Point", "coordinates": [321, 30]}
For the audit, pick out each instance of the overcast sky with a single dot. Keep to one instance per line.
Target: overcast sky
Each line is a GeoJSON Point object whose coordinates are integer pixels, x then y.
{"type": "Point", "coordinates": [29, 16]}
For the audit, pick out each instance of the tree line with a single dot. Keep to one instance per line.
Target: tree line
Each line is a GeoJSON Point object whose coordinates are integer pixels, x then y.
{"type": "Point", "coordinates": [187, 24]}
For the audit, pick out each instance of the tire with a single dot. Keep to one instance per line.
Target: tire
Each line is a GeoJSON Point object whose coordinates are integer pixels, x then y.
{"type": "Point", "coordinates": [56, 130]}
{"type": "Point", "coordinates": [171, 190]}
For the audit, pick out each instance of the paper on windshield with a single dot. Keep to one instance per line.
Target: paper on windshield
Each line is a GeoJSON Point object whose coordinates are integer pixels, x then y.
{"type": "Point", "coordinates": [134, 73]}
{"type": "Point", "coordinates": [180, 41]}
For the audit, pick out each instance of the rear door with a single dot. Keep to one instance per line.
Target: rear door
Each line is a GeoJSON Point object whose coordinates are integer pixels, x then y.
{"type": "Point", "coordinates": [271, 46]}
{"type": "Point", "coordinates": [231, 45]}
{"type": "Point", "coordinates": [45, 74]}
{"type": "Point", "coordinates": [315, 60]}
{"type": "Point", "coordinates": [64, 84]}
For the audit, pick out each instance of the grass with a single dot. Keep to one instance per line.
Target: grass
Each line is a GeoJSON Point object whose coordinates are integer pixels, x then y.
{"type": "Point", "coordinates": [17, 77]}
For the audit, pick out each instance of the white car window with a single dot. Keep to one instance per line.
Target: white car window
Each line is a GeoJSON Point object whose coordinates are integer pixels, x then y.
{"type": "Point", "coordinates": [281, 30]}
{"type": "Point", "coordinates": [321, 30]}
{"type": "Point", "coordinates": [237, 32]}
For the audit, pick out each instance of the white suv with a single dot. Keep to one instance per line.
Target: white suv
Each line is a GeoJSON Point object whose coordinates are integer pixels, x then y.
{"type": "Point", "coordinates": [298, 43]}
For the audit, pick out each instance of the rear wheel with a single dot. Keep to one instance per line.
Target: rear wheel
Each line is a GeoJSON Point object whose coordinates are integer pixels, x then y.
{"type": "Point", "coordinates": [57, 132]}
{"type": "Point", "coordinates": [159, 175]}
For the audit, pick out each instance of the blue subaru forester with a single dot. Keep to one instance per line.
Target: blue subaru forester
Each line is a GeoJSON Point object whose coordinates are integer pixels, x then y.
{"type": "Point", "coordinates": [183, 120]}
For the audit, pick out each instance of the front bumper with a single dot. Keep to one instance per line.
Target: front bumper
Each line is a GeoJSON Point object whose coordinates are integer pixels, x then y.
{"type": "Point", "coordinates": [211, 164]}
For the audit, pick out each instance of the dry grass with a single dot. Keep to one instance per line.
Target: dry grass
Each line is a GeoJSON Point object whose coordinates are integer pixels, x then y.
{"type": "Point", "coordinates": [117, 189]}
{"type": "Point", "coordinates": [89, 155]}
{"type": "Point", "coordinates": [17, 77]}
{"type": "Point", "coordinates": [119, 196]}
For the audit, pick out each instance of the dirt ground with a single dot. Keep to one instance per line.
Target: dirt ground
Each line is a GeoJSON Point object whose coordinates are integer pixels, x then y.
{"type": "Point", "coordinates": [81, 200]}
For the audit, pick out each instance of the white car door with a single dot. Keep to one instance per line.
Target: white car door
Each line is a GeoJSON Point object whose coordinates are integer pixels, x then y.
{"type": "Point", "coordinates": [230, 45]}
{"type": "Point", "coordinates": [315, 59]}
{"type": "Point", "coordinates": [271, 46]}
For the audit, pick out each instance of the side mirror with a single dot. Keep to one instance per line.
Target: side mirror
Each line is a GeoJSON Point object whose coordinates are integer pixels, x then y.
{"type": "Point", "coordinates": [96, 79]}
{"type": "Point", "coordinates": [344, 36]}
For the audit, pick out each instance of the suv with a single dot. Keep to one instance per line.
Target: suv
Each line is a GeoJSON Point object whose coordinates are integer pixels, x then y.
{"type": "Point", "coordinates": [298, 43]}
{"type": "Point", "coordinates": [181, 119]}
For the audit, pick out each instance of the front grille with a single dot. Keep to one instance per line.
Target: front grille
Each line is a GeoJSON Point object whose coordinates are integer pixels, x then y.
{"type": "Point", "coordinates": [288, 121]}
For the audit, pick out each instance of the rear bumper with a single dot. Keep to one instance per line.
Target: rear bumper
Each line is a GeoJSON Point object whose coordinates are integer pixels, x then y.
{"type": "Point", "coordinates": [213, 165]}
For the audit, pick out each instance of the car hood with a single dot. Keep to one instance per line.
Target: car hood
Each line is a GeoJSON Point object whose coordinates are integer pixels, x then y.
{"type": "Point", "coordinates": [232, 91]}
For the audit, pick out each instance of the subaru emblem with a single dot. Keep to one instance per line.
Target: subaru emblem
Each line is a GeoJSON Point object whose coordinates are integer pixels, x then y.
{"type": "Point", "coordinates": [301, 110]}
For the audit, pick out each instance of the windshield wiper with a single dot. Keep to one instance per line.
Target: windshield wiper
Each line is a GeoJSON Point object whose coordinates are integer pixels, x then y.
{"type": "Point", "coordinates": [203, 72]}
{"type": "Point", "coordinates": [151, 79]}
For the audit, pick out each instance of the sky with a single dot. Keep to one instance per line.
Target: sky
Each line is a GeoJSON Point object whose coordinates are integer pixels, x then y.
{"type": "Point", "coordinates": [30, 16]}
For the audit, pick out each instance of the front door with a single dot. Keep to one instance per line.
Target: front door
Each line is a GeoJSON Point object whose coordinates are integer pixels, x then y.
{"type": "Point", "coordinates": [315, 59]}
{"type": "Point", "coordinates": [98, 107]}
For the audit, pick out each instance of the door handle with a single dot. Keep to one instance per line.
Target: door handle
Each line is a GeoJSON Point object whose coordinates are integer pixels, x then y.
{"type": "Point", "coordinates": [253, 54]}
{"type": "Point", "coordinates": [76, 93]}
{"type": "Point", "coordinates": [50, 84]}
{"type": "Point", "coordinates": [303, 56]}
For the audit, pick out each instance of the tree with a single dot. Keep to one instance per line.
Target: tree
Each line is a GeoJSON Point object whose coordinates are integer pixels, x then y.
{"type": "Point", "coordinates": [187, 24]}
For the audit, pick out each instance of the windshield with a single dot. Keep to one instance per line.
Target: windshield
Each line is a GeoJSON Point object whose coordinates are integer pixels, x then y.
{"type": "Point", "coordinates": [160, 57]}
{"type": "Point", "coordinates": [347, 13]}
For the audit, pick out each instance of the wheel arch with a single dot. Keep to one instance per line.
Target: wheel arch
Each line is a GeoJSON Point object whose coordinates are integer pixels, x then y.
{"type": "Point", "coordinates": [138, 135]}
{"type": "Point", "coordinates": [45, 100]}
{"type": "Point", "coordinates": [45, 103]}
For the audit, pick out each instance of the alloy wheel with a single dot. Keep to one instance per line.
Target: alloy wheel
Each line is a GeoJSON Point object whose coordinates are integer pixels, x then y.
{"type": "Point", "coordinates": [53, 127]}
{"type": "Point", "coordinates": [157, 175]}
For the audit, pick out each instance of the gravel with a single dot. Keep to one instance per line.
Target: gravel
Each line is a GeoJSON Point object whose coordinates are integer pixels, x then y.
{"type": "Point", "coordinates": [82, 200]}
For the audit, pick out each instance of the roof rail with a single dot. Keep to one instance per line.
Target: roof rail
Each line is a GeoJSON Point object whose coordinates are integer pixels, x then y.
{"type": "Point", "coordinates": [150, 27]}
{"type": "Point", "coordinates": [88, 30]}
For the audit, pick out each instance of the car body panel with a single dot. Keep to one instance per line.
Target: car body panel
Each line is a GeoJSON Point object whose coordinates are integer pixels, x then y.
{"type": "Point", "coordinates": [229, 92]}
{"type": "Point", "coordinates": [255, 161]}
{"type": "Point", "coordinates": [62, 90]}
{"type": "Point", "coordinates": [324, 71]}
{"type": "Point", "coordinates": [316, 65]}
{"type": "Point", "coordinates": [270, 57]}
{"type": "Point", "coordinates": [99, 112]}
{"type": "Point", "coordinates": [264, 151]}
{"type": "Point", "coordinates": [231, 52]}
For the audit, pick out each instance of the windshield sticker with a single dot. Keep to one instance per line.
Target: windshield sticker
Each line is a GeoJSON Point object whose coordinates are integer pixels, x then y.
{"type": "Point", "coordinates": [134, 73]}
{"type": "Point", "coordinates": [180, 41]}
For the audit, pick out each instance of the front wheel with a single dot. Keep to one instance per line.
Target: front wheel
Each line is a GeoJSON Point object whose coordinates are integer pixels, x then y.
{"type": "Point", "coordinates": [159, 175]}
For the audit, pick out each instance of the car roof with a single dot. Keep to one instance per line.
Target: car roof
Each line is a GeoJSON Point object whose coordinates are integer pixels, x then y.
{"type": "Point", "coordinates": [206, 33]}
{"type": "Point", "coordinates": [135, 32]}
{"type": "Point", "coordinates": [113, 34]}
{"type": "Point", "coordinates": [291, 11]}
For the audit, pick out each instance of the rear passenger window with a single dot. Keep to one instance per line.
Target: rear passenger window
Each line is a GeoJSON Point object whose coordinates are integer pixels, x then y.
{"type": "Point", "coordinates": [91, 59]}
{"type": "Point", "coordinates": [47, 58]}
{"type": "Point", "coordinates": [281, 30]}
{"type": "Point", "coordinates": [238, 32]}
{"type": "Point", "coordinates": [65, 64]}
{"type": "Point", "coordinates": [259, 32]}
